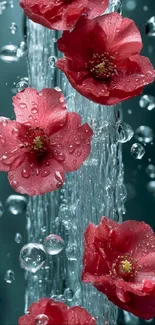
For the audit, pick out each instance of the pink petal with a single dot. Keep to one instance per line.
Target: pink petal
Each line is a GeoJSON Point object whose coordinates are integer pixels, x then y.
{"type": "Point", "coordinates": [72, 143]}
{"type": "Point", "coordinates": [96, 8]}
{"type": "Point", "coordinates": [26, 320]}
{"type": "Point", "coordinates": [11, 155]}
{"type": "Point", "coordinates": [45, 109]}
{"type": "Point", "coordinates": [122, 34]}
{"type": "Point", "coordinates": [37, 180]}
{"type": "Point", "coordinates": [78, 315]}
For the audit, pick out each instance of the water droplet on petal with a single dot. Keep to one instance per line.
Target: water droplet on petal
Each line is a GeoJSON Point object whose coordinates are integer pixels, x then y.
{"type": "Point", "coordinates": [34, 110]}
{"type": "Point", "coordinates": [71, 148]}
{"type": "Point", "coordinates": [137, 151]}
{"type": "Point", "coordinates": [32, 257]}
{"type": "Point", "coordinates": [45, 173]}
{"type": "Point", "coordinates": [23, 105]}
{"type": "Point", "coordinates": [53, 244]}
{"type": "Point", "coordinates": [16, 204]}
{"type": "Point", "coordinates": [144, 134]}
{"type": "Point", "coordinates": [18, 238]}
{"type": "Point", "coordinates": [9, 276]}
{"type": "Point", "coordinates": [2, 140]}
{"type": "Point", "coordinates": [13, 28]}
{"type": "Point", "coordinates": [125, 132]}
{"type": "Point", "coordinates": [41, 319]}
{"type": "Point", "coordinates": [25, 173]}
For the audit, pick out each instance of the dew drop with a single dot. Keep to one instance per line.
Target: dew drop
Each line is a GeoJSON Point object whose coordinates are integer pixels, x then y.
{"type": "Point", "coordinates": [25, 173]}
{"type": "Point", "coordinates": [9, 276]}
{"type": "Point", "coordinates": [32, 257]}
{"type": "Point", "coordinates": [41, 319]}
{"type": "Point", "coordinates": [2, 140]}
{"type": "Point", "coordinates": [18, 238]}
{"type": "Point", "coordinates": [125, 132]}
{"type": "Point", "coordinates": [53, 244]}
{"type": "Point", "coordinates": [71, 148]}
{"type": "Point", "coordinates": [23, 105]}
{"type": "Point", "coordinates": [150, 27]}
{"type": "Point", "coordinates": [144, 134]}
{"type": "Point", "coordinates": [147, 101]}
{"type": "Point", "coordinates": [13, 28]}
{"type": "Point", "coordinates": [45, 173]}
{"type": "Point", "coordinates": [137, 151]}
{"type": "Point", "coordinates": [8, 53]}
{"type": "Point", "coordinates": [16, 204]}
{"type": "Point", "coordinates": [34, 110]}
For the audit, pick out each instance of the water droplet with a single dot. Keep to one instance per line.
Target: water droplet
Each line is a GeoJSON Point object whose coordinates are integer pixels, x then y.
{"type": "Point", "coordinates": [144, 134]}
{"type": "Point", "coordinates": [150, 170]}
{"type": "Point", "coordinates": [41, 319]}
{"type": "Point", "coordinates": [9, 276]}
{"type": "Point", "coordinates": [32, 257]}
{"type": "Point", "coordinates": [68, 294]}
{"type": "Point", "coordinates": [53, 244]}
{"type": "Point", "coordinates": [147, 101]}
{"type": "Point", "coordinates": [8, 53]}
{"type": "Point", "coordinates": [71, 148]}
{"type": "Point", "coordinates": [34, 110]}
{"type": "Point", "coordinates": [16, 204]}
{"type": "Point", "coordinates": [23, 105]}
{"type": "Point", "coordinates": [22, 84]}
{"type": "Point", "coordinates": [25, 173]}
{"type": "Point", "coordinates": [71, 252]}
{"type": "Point", "coordinates": [1, 209]}
{"type": "Point", "coordinates": [3, 6]}
{"type": "Point", "coordinates": [21, 50]}
{"type": "Point", "coordinates": [150, 27]}
{"type": "Point", "coordinates": [125, 132]}
{"type": "Point", "coordinates": [137, 151]}
{"type": "Point", "coordinates": [52, 61]}
{"type": "Point", "coordinates": [13, 28]}
{"type": "Point", "coordinates": [18, 238]}
{"type": "Point", "coordinates": [2, 140]}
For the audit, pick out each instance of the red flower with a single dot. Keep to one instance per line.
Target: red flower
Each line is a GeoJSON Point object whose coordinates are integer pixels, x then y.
{"type": "Point", "coordinates": [55, 313]}
{"type": "Point", "coordinates": [103, 63]}
{"type": "Point", "coordinates": [119, 260]}
{"type": "Point", "coordinates": [62, 14]}
{"type": "Point", "coordinates": [44, 142]}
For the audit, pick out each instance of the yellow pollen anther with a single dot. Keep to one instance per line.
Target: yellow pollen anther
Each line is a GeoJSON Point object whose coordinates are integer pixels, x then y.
{"type": "Point", "coordinates": [100, 67]}
{"type": "Point", "coordinates": [38, 144]}
{"type": "Point", "coordinates": [125, 266]}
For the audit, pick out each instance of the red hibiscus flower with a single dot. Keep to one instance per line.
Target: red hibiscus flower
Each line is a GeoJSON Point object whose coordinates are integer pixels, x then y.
{"type": "Point", "coordinates": [44, 142]}
{"type": "Point", "coordinates": [50, 312]}
{"type": "Point", "coordinates": [62, 14]}
{"type": "Point", "coordinates": [103, 63]}
{"type": "Point", "coordinates": [119, 260]}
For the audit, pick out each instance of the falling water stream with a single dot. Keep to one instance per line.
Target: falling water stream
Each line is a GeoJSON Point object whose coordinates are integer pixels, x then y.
{"type": "Point", "coordinates": [96, 189]}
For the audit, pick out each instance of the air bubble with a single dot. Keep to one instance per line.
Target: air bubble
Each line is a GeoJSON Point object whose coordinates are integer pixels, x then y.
{"type": "Point", "coordinates": [22, 84]}
{"type": "Point", "coordinates": [144, 134]}
{"type": "Point", "coordinates": [150, 26]}
{"type": "Point", "coordinates": [13, 28]}
{"type": "Point", "coordinates": [18, 238]}
{"type": "Point", "coordinates": [9, 276]}
{"type": "Point", "coordinates": [8, 53]}
{"type": "Point", "coordinates": [147, 101]}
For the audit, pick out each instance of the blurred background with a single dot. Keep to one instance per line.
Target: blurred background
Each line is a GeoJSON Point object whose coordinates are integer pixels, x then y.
{"type": "Point", "coordinates": [138, 153]}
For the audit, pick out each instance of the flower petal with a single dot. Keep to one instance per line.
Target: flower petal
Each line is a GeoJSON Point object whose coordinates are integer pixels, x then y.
{"type": "Point", "coordinates": [96, 8]}
{"type": "Point", "coordinates": [37, 180]}
{"type": "Point", "coordinates": [78, 315]}
{"type": "Point", "coordinates": [72, 143]}
{"type": "Point", "coordinates": [11, 155]}
{"type": "Point", "coordinates": [44, 109]}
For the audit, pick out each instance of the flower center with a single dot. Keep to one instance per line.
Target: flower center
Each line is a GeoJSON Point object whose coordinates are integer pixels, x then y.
{"type": "Point", "coordinates": [126, 267]}
{"type": "Point", "coordinates": [36, 141]}
{"type": "Point", "coordinates": [102, 66]}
